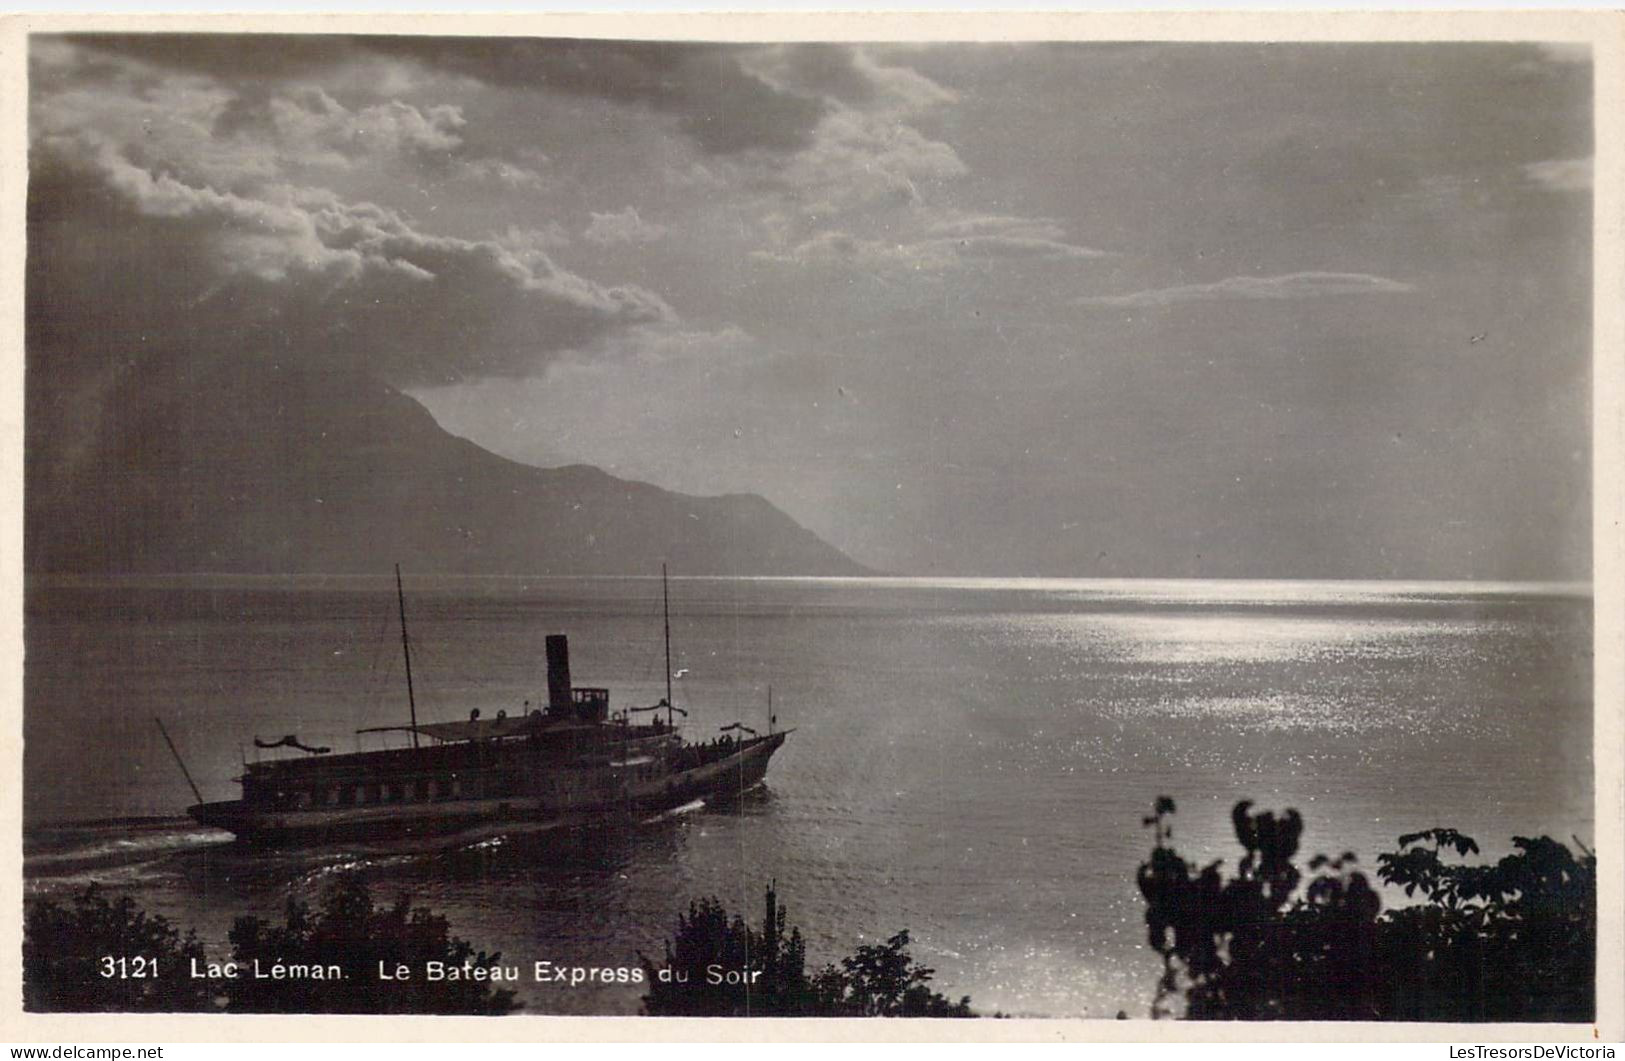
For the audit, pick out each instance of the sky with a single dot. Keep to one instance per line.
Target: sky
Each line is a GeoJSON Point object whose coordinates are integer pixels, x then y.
{"type": "Point", "coordinates": [1222, 310]}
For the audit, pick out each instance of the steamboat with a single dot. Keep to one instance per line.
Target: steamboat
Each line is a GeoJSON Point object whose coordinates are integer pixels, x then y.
{"type": "Point", "coordinates": [571, 763]}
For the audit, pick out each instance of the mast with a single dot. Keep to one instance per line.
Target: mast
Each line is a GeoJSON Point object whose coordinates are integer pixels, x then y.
{"type": "Point", "coordinates": [406, 650]}
{"type": "Point", "coordinates": [665, 602]}
{"type": "Point", "coordinates": [178, 760]}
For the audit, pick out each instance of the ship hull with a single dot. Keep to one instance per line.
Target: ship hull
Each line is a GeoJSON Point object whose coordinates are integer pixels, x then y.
{"type": "Point", "coordinates": [619, 801]}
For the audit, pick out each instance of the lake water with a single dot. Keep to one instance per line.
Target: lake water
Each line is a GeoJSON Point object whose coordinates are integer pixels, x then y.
{"type": "Point", "coordinates": [971, 761]}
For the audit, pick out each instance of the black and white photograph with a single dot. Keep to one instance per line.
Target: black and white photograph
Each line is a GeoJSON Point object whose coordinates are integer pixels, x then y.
{"type": "Point", "coordinates": [549, 524]}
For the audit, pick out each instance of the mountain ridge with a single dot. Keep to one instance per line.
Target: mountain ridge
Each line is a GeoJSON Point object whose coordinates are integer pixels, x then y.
{"type": "Point", "coordinates": [258, 467]}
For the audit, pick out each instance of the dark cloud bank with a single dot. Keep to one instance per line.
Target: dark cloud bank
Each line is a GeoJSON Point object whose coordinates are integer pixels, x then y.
{"type": "Point", "coordinates": [177, 272]}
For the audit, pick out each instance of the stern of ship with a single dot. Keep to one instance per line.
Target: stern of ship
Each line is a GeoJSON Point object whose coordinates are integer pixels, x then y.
{"type": "Point", "coordinates": [230, 815]}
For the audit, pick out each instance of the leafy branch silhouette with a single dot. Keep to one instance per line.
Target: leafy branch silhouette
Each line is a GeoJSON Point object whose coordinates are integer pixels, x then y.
{"type": "Point", "coordinates": [1510, 941]}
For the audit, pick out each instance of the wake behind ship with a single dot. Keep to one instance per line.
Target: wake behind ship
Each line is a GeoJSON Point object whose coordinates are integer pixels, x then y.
{"type": "Point", "coordinates": [570, 764]}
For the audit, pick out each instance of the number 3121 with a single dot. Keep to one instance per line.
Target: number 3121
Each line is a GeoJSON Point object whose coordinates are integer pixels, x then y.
{"type": "Point", "coordinates": [138, 968]}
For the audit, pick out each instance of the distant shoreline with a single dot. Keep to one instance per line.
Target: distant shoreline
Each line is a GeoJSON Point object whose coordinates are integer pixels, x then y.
{"type": "Point", "coordinates": [1141, 583]}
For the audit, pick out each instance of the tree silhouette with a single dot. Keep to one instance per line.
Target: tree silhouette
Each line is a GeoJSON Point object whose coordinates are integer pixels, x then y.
{"type": "Point", "coordinates": [351, 932]}
{"type": "Point", "coordinates": [883, 980]}
{"type": "Point", "coordinates": [71, 959]}
{"type": "Point", "coordinates": [66, 950]}
{"type": "Point", "coordinates": [1513, 941]}
{"type": "Point", "coordinates": [717, 966]}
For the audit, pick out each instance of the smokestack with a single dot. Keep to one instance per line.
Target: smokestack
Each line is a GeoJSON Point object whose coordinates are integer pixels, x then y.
{"type": "Point", "coordinates": [558, 676]}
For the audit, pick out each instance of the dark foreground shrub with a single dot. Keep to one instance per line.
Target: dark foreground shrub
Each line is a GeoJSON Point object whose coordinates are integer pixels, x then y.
{"type": "Point", "coordinates": [883, 980]}
{"type": "Point", "coordinates": [1513, 941]}
{"type": "Point", "coordinates": [718, 966]}
{"type": "Point", "coordinates": [95, 954]}
{"type": "Point", "coordinates": [353, 937]}
{"type": "Point", "coordinates": [325, 961]}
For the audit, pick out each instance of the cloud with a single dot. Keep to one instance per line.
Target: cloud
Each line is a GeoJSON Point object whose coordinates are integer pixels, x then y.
{"type": "Point", "coordinates": [143, 260]}
{"type": "Point", "coordinates": [820, 127]}
{"type": "Point", "coordinates": [846, 75]}
{"type": "Point", "coordinates": [250, 131]}
{"type": "Point", "coordinates": [718, 102]}
{"type": "Point", "coordinates": [536, 240]}
{"type": "Point", "coordinates": [173, 120]}
{"type": "Point", "coordinates": [309, 121]}
{"type": "Point", "coordinates": [902, 88]}
{"type": "Point", "coordinates": [667, 343]}
{"type": "Point", "coordinates": [721, 105]}
{"type": "Point", "coordinates": [169, 210]}
{"type": "Point", "coordinates": [814, 69]}
{"type": "Point", "coordinates": [306, 126]}
{"type": "Point", "coordinates": [1044, 248]}
{"type": "Point", "coordinates": [844, 249]}
{"type": "Point", "coordinates": [1021, 242]}
{"type": "Point", "coordinates": [226, 55]}
{"type": "Point", "coordinates": [1561, 174]}
{"type": "Point", "coordinates": [695, 175]}
{"type": "Point", "coordinates": [960, 224]}
{"type": "Point", "coordinates": [1004, 236]}
{"type": "Point", "coordinates": [936, 240]}
{"type": "Point", "coordinates": [863, 153]}
{"type": "Point", "coordinates": [1290, 286]}
{"type": "Point", "coordinates": [859, 159]}
{"type": "Point", "coordinates": [624, 226]}
{"type": "Point", "coordinates": [506, 173]}
{"type": "Point", "coordinates": [859, 152]}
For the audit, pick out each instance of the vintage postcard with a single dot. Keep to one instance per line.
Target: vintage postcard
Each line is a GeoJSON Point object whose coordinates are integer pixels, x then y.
{"type": "Point", "coordinates": [1101, 521]}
